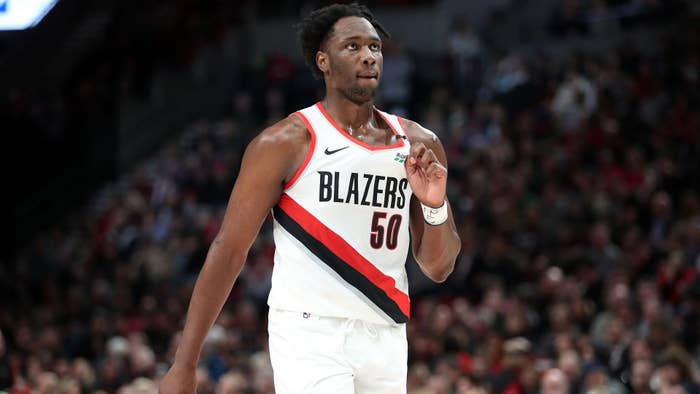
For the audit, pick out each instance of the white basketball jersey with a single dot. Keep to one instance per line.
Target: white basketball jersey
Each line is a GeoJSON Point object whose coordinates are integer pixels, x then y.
{"type": "Point", "coordinates": [341, 227]}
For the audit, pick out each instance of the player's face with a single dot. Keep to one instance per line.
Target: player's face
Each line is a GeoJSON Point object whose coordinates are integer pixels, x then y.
{"type": "Point", "coordinates": [354, 59]}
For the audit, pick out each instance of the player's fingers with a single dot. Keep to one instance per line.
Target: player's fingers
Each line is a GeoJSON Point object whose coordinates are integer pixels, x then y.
{"type": "Point", "coordinates": [417, 150]}
{"type": "Point", "coordinates": [411, 165]}
{"type": "Point", "coordinates": [427, 158]}
{"type": "Point", "coordinates": [436, 169]}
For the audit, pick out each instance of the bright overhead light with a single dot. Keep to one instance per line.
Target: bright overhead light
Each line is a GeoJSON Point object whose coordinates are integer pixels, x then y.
{"type": "Point", "coordinates": [23, 14]}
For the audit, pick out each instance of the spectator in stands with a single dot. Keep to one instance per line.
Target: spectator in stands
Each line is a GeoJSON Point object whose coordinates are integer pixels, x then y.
{"type": "Point", "coordinates": [554, 381]}
{"type": "Point", "coordinates": [6, 373]}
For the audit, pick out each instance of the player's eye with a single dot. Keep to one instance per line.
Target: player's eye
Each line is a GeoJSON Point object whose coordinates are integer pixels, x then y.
{"type": "Point", "coordinates": [352, 46]}
{"type": "Point", "coordinates": [375, 47]}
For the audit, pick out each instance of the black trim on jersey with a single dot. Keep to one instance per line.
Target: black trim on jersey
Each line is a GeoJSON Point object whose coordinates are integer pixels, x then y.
{"type": "Point", "coordinates": [337, 264]}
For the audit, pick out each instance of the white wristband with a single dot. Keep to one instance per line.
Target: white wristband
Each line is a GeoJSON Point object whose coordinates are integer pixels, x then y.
{"type": "Point", "coordinates": [435, 216]}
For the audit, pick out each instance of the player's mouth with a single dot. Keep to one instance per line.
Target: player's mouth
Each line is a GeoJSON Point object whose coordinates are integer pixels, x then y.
{"type": "Point", "coordinates": [368, 75]}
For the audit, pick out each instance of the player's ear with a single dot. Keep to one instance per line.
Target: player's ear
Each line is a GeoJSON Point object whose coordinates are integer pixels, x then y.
{"type": "Point", "coordinates": [322, 61]}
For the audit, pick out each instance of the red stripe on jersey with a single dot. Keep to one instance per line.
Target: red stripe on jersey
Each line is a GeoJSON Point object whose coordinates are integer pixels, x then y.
{"type": "Point", "coordinates": [336, 244]}
{"type": "Point", "coordinates": [310, 153]}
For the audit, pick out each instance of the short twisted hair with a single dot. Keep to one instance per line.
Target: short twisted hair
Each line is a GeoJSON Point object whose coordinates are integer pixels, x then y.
{"type": "Point", "coordinates": [316, 27]}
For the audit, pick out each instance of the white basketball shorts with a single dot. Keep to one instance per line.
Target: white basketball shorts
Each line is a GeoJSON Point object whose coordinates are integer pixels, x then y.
{"type": "Point", "coordinates": [316, 354]}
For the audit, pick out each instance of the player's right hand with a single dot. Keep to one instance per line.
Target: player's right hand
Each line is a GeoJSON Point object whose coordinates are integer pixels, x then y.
{"type": "Point", "coordinates": [178, 380]}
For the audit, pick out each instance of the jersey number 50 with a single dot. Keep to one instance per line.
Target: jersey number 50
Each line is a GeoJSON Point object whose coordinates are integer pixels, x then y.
{"type": "Point", "coordinates": [379, 232]}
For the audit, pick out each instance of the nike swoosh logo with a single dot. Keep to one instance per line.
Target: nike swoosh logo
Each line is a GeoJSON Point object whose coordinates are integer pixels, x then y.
{"type": "Point", "coordinates": [330, 152]}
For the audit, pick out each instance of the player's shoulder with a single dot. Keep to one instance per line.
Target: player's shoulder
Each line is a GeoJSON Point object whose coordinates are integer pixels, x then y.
{"type": "Point", "coordinates": [278, 150]}
{"type": "Point", "coordinates": [417, 133]}
{"type": "Point", "coordinates": [284, 133]}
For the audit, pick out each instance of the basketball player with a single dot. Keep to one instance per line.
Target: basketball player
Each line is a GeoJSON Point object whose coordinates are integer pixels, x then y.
{"type": "Point", "coordinates": [345, 182]}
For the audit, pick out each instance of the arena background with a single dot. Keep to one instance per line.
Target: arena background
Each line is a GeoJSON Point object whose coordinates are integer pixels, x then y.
{"type": "Point", "coordinates": [573, 136]}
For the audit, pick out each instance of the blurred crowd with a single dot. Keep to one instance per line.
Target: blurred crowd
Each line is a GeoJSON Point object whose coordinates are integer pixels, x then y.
{"type": "Point", "coordinates": [575, 186]}
{"type": "Point", "coordinates": [599, 16]}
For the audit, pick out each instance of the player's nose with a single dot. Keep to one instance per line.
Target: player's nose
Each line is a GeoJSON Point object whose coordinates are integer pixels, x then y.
{"type": "Point", "coordinates": [368, 56]}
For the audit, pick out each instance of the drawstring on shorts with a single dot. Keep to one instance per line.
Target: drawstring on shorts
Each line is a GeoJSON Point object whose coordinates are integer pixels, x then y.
{"type": "Point", "coordinates": [369, 328]}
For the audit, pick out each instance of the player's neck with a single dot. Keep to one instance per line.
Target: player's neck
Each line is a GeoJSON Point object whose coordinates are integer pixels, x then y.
{"type": "Point", "coordinates": [347, 114]}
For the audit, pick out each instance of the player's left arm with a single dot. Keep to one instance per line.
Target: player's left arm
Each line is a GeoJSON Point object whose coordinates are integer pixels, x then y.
{"type": "Point", "coordinates": [435, 247]}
